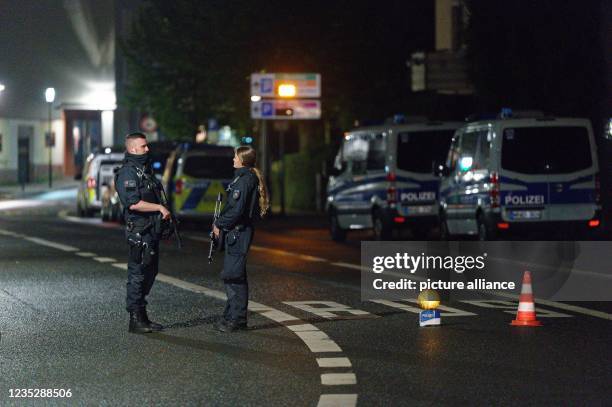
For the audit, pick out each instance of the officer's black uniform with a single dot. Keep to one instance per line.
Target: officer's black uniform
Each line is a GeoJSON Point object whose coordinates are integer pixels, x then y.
{"type": "Point", "coordinates": [236, 220]}
{"type": "Point", "coordinates": [135, 182]}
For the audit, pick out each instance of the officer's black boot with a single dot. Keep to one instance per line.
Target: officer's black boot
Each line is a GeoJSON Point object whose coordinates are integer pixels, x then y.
{"type": "Point", "coordinates": [138, 323]}
{"type": "Point", "coordinates": [155, 327]}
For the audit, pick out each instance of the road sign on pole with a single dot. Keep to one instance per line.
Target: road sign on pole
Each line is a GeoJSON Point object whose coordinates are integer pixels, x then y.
{"type": "Point", "coordinates": [290, 109]}
{"type": "Point", "coordinates": [266, 85]}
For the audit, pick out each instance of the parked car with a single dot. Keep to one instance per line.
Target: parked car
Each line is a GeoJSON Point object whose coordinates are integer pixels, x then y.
{"type": "Point", "coordinates": [112, 210]}
{"type": "Point", "coordinates": [508, 176]}
{"type": "Point", "coordinates": [194, 175]}
{"type": "Point", "coordinates": [95, 180]}
{"type": "Point", "coordinates": [384, 179]}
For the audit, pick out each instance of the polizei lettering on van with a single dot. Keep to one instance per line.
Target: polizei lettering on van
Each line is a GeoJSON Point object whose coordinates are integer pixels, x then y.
{"type": "Point", "coordinates": [418, 196]}
{"type": "Point", "coordinates": [524, 200]}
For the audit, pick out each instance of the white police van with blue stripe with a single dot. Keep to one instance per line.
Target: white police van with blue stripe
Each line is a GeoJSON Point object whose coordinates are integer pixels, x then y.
{"type": "Point", "coordinates": [521, 176]}
{"type": "Point", "coordinates": [383, 179]}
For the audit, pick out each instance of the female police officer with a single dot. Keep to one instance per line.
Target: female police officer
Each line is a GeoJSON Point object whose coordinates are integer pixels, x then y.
{"type": "Point", "coordinates": [247, 199]}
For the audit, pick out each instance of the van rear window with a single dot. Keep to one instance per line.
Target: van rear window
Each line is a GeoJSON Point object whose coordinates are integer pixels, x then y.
{"type": "Point", "coordinates": [212, 167]}
{"type": "Point", "coordinates": [417, 150]}
{"type": "Point", "coordinates": [546, 150]}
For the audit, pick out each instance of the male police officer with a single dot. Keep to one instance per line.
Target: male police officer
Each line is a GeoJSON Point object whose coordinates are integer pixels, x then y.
{"type": "Point", "coordinates": [139, 192]}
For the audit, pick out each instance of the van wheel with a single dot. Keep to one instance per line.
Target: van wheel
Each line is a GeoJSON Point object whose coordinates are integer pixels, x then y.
{"type": "Point", "coordinates": [382, 228]}
{"type": "Point", "coordinates": [337, 233]}
{"type": "Point", "coordinates": [483, 231]}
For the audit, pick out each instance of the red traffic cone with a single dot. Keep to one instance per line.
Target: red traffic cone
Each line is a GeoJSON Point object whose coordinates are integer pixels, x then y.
{"type": "Point", "coordinates": [526, 315]}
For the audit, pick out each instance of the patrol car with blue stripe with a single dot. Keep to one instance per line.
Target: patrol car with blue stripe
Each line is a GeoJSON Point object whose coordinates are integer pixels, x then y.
{"type": "Point", "coordinates": [515, 175]}
{"type": "Point", "coordinates": [383, 179]}
{"type": "Point", "coordinates": [194, 175]}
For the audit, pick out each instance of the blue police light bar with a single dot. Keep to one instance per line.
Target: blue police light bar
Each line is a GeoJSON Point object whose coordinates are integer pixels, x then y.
{"type": "Point", "coordinates": [156, 165]}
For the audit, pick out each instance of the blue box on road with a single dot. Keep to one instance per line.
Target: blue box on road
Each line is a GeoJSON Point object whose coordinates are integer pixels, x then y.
{"type": "Point", "coordinates": [429, 317]}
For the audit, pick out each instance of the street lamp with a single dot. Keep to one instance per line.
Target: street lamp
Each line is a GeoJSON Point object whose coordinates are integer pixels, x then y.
{"type": "Point", "coordinates": [50, 97]}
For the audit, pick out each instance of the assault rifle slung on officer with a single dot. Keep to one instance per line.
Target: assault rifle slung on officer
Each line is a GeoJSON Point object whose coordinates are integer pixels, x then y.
{"type": "Point", "coordinates": [215, 243]}
{"type": "Point", "coordinates": [167, 228]}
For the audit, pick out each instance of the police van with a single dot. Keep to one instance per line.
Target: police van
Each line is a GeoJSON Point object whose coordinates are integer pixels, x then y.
{"type": "Point", "coordinates": [194, 175]}
{"type": "Point", "coordinates": [383, 179]}
{"type": "Point", "coordinates": [521, 175]}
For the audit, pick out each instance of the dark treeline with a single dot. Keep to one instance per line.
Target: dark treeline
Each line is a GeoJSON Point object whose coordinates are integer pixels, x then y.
{"type": "Point", "coordinates": [191, 59]}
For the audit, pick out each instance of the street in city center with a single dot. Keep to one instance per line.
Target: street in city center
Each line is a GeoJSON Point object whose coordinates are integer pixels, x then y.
{"type": "Point", "coordinates": [311, 341]}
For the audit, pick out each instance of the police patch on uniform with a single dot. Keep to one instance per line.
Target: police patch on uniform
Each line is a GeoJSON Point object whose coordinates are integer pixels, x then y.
{"type": "Point", "coordinates": [130, 184]}
{"type": "Point", "coordinates": [236, 195]}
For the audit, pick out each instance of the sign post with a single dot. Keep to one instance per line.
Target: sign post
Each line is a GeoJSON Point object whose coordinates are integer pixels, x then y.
{"type": "Point", "coordinates": [283, 96]}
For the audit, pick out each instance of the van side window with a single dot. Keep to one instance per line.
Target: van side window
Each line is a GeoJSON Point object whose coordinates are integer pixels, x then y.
{"type": "Point", "coordinates": [355, 151]}
{"type": "Point", "coordinates": [484, 147]}
{"type": "Point", "coordinates": [453, 154]}
{"type": "Point", "coordinates": [376, 153]}
{"type": "Point", "coordinates": [467, 151]}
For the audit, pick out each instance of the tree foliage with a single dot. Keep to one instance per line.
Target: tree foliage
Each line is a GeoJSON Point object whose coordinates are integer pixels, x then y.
{"type": "Point", "coordinates": [536, 54]}
{"type": "Point", "coordinates": [190, 60]}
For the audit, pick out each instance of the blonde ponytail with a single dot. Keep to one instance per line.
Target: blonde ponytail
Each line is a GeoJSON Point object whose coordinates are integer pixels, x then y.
{"type": "Point", "coordinates": [264, 199]}
{"type": "Point", "coordinates": [248, 158]}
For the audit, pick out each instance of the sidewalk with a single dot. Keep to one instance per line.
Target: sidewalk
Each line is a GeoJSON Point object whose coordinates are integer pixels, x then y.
{"type": "Point", "coordinates": [16, 192]}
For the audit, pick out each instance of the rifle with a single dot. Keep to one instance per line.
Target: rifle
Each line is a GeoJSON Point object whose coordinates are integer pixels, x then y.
{"type": "Point", "coordinates": [215, 243]}
{"type": "Point", "coordinates": [173, 221]}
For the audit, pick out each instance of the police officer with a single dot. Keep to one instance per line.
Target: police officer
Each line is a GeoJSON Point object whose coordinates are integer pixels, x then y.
{"type": "Point", "coordinates": [247, 199]}
{"type": "Point", "coordinates": [140, 192]}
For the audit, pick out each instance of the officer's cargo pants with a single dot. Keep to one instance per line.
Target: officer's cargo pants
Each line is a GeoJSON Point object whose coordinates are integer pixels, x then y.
{"type": "Point", "coordinates": [237, 243]}
{"type": "Point", "coordinates": [141, 275]}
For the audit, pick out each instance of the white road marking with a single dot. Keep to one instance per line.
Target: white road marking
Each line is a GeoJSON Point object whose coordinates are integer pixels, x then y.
{"type": "Point", "coordinates": [338, 379]}
{"type": "Point", "coordinates": [302, 327]}
{"type": "Point", "coordinates": [318, 341]}
{"type": "Point", "coordinates": [328, 309]}
{"type": "Point", "coordinates": [122, 266]}
{"type": "Point", "coordinates": [311, 258]}
{"type": "Point", "coordinates": [563, 306]}
{"type": "Point", "coordinates": [450, 311]}
{"type": "Point", "coordinates": [349, 265]}
{"type": "Point", "coordinates": [511, 307]}
{"type": "Point", "coordinates": [104, 259]}
{"type": "Point", "coordinates": [8, 233]}
{"type": "Point", "coordinates": [48, 243]}
{"type": "Point", "coordinates": [334, 362]}
{"type": "Point", "coordinates": [86, 254]}
{"type": "Point", "coordinates": [337, 400]}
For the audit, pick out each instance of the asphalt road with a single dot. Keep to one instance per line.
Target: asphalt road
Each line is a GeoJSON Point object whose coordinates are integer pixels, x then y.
{"type": "Point", "coordinates": [312, 341]}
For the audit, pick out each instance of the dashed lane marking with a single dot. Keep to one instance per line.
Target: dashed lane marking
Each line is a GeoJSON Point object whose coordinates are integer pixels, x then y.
{"type": "Point", "coordinates": [510, 308]}
{"type": "Point", "coordinates": [334, 362]}
{"type": "Point", "coordinates": [104, 259]}
{"type": "Point", "coordinates": [338, 379]}
{"type": "Point", "coordinates": [563, 306]}
{"type": "Point", "coordinates": [48, 243]}
{"type": "Point", "coordinates": [337, 400]}
{"type": "Point", "coordinates": [315, 339]}
{"type": "Point", "coordinates": [349, 266]}
{"type": "Point", "coordinates": [86, 254]}
{"type": "Point", "coordinates": [329, 309]}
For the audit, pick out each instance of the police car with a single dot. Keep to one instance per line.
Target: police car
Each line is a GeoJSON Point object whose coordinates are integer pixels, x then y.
{"type": "Point", "coordinates": [384, 179]}
{"type": "Point", "coordinates": [194, 175]}
{"type": "Point", "coordinates": [98, 172]}
{"type": "Point", "coordinates": [521, 175]}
